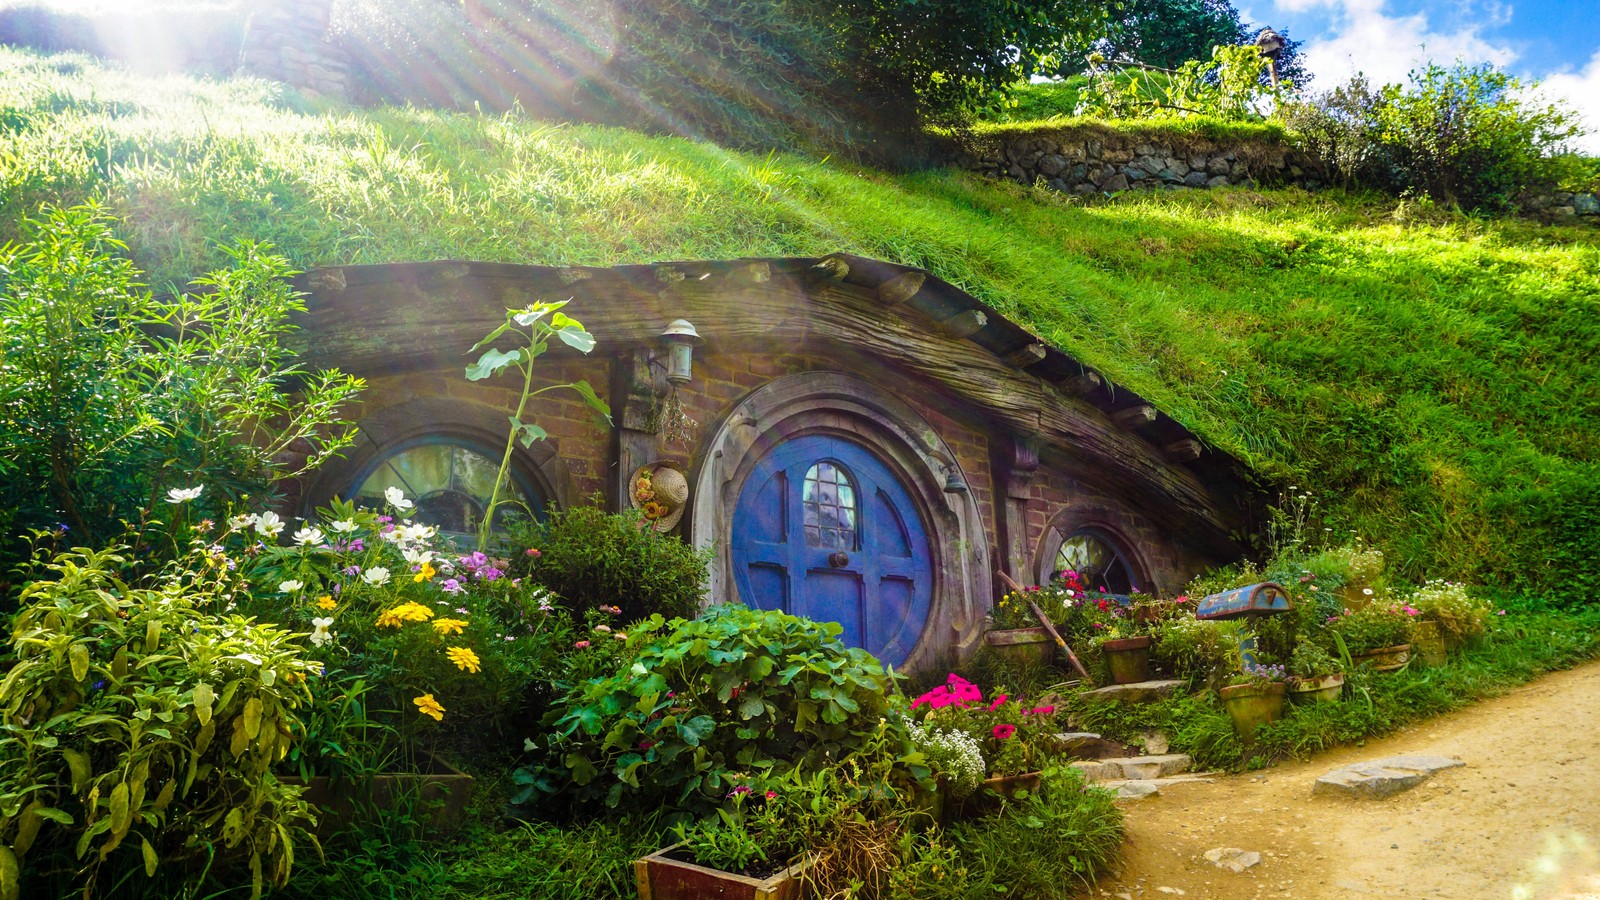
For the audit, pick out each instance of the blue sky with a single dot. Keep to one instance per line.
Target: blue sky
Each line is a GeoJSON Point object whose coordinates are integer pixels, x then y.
{"type": "Point", "coordinates": [1556, 42]}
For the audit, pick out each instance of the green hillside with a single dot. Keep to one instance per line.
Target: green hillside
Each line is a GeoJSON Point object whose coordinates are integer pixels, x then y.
{"type": "Point", "coordinates": [1431, 377]}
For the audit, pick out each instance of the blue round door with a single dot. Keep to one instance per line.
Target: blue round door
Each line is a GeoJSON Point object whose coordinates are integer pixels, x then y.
{"type": "Point", "coordinates": [823, 529]}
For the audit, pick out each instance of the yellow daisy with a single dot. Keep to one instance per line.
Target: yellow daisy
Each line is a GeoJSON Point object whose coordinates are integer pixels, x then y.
{"type": "Point", "coordinates": [449, 626]}
{"type": "Point", "coordinates": [326, 601]}
{"type": "Point", "coordinates": [429, 707]}
{"type": "Point", "coordinates": [463, 658]}
{"type": "Point", "coordinates": [425, 573]}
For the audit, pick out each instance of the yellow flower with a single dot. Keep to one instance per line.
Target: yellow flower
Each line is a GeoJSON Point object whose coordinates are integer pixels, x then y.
{"type": "Point", "coordinates": [425, 573]}
{"type": "Point", "coordinates": [429, 707]}
{"type": "Point", "coordinates": [449, 626]}
{"type": "Point", "coordinates": [387, 619]}
{"type": "Point", "coordinates": [326, 601]}
{"type": "Point", "coordinates": [410, 611]}
{"type": "Point", "coordinates": [463, 658]}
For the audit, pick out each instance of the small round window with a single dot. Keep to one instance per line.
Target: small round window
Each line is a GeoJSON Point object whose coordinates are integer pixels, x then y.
{"type": "Point", "coordinates": [451, 485]}
{"type": "Point", "coordinates": [1097, 562]}
{"type": "Point", "coordinates": [829, 507]}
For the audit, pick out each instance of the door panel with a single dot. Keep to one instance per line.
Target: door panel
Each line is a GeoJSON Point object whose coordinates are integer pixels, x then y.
{"type": "Point", "coordinates": [824, 529]}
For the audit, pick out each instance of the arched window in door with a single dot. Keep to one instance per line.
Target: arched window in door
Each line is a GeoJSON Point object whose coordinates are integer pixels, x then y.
{"type": "Point", "coordinates": [1098, 562]}
{"type": "Point", "coordinates": [829, 504]}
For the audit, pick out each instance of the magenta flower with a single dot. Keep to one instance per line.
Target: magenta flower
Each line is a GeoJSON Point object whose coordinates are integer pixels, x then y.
{"type": "Point", "coordinates": [581, 644]}
{"type": "Point", "coordinates": [997, 701]}
{"type": "Point", "coordinates": [1004, 731]}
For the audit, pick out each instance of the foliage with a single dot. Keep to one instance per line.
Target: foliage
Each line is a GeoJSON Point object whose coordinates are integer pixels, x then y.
{"type": "Point", "coordinates": [148, 718]}
{"type": "Point", "coordinates": [733, 691]}
{"type": "Point", "coordinates": [1227, 86]}
{"type": "Point", "coordinates": [1310, 660]}
{"type": "Point", "coordinates": [1259, 675]}
{"type": "Point", "coordinates": [1169, 33]}
{"type": "Point", "coordinates": [533, 327]}
{"type": "Point", "coordinates": [1470, 136]}
{"type": "Point", "coordinates": [1469, 451]}
{"type": "Point", "coordinates": [1461, 616]}
{"type": "Point", "coordinates": [1375, 626]}
{"type": "Point", "coordinates": [590, 558]}
{"type": "Point", "coordinates": [1202, 651]}
{"type": "Point", "coordinates": [108, 386]}
{"type": "Point", "coordinates": [1047, 844]}
{"type": "Point", "coordinates": [954, 755]}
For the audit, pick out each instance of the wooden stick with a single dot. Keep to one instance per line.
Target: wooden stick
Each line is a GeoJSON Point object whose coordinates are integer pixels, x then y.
{"type": "Point", "coordinates": [1060, 642]}
{"type": "Point", "coordinates": [1011, 583]}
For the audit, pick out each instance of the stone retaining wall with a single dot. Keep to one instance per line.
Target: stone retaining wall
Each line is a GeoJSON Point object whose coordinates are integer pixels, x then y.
{"type": "Point", "coordinates": [1092, 160]}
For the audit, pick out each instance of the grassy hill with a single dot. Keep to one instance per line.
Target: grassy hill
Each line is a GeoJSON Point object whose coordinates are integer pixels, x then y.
{"type": "Point", "coordinates": [1432, 378]}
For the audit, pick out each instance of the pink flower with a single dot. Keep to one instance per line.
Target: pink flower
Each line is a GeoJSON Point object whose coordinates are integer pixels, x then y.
{"type": "Point", "coordinates": [772, 795]}
{"type": "Point", "coordinates": [1501, 613]}
{"type": "Point", "coordinates": [581, 644]}
{"type": "Point", "coordinates": [1410, 611]}
{"type": "Point", "coordinates": [741, 789]}
{"type": "Point", "coordinates": [1181, 598]}
{"type": "Point", "coordinates": [1004, 731]}
{"type": "Point", "coordinates": [532, 552]}
{"type": "Point", "coordinates": [997, 701]}
{"type": "Point", "coordinates": [1039, 711]}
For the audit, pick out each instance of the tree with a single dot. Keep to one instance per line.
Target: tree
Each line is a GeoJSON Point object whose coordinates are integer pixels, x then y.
{"type": "Point", "coordinates": [1168, 33]}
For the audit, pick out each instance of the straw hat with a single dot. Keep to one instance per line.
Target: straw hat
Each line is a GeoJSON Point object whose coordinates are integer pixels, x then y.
{"type": "Point", "coordinates": [661, 492]}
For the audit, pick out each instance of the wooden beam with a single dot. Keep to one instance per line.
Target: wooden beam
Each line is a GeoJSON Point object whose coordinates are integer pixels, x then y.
{"type": "Point", "coordinates": [1134, 416]}
{"type": "Point", "coordinates": [1185, 450]}
{"type": "Point", "coordinates": [1026, 356]}
{"type": "Point", "coordinates": [901, 288]}
{"type": "Point", "coordinates": [1079, 385]}
{"type": "Point", "coordinates": [964, 325]}
{"type": "Point", "coordinates": [831, 268]}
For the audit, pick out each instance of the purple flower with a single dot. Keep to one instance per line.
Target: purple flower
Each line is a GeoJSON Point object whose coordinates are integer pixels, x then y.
{"type": "Point", "coordinates": [358, 545]}
{"type": "Point", "coordinates": [386, 519]}
{"type": "Point", "coordinates": [351, 571]}
{"type": "Point", "coordinates": [451, 586]}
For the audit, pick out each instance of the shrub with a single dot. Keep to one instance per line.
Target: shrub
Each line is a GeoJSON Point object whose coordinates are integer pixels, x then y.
{"type": "Point", "coordinates": [1375, 626]}
{"type": "Point", "coordinates": [1202, 651]}
{"type": "Point", "coordinates": [137, 719]}
{"type": "Point", "coordinates": [732, 691]}
{"type": "Point", "coordinates": [107, 385]}
{"type": "Point", "coordinates": [590, 558]}
{"type": "Point", "coordinates": [1460, 615]}
{"type": "Point", "coordinates": [1025, 851]}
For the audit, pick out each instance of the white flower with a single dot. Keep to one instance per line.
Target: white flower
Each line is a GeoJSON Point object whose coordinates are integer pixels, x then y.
{"type": "Point", "coordinates": [184, 495]}
{"type": "Point", "coordinates": [240, 523]}
{"type": "Point", "coordinates": [411, 533]}
{"type": "Point", "coordinates": [320, 634]}
{"type": "Point", "coordinates": [268, 524]}
{"type": "Point", "coordinates": [375, 576]}
{"type": "Point", "coordinates": [290, 586]}
{"type": "Point", "coordinates": [343, 526]}
{"type": "Point", "coordinates": [397, 498]}
{"type": "Point", "coordinates": [416, 557]}
{"type": "Point", "coordinates": [310, 534]}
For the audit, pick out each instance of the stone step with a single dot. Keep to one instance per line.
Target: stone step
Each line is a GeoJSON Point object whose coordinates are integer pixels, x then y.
{"type": "Point", "coordinates": [1088, 745]}
{"type": "Point", "coordinates": [1135, 768]}
{"type": "Point", "coordinates": [1138, 692]}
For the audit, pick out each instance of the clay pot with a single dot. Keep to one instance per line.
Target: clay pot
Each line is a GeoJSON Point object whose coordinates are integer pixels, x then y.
{"type": "Point", "coordinates": [1022, 648]}
{"type": "Point", "coordinates": [1385, 659]}
{"type": "Point", "coordinates": [1253, 705]}
{"type": "Point", "coordinates": [1129, 659]}
{"type": "Point", "coordinates": [1321, 689]}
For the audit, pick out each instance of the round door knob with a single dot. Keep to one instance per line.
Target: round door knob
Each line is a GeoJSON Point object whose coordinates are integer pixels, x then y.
{"type": "Point", "coordinates": [838, 559]}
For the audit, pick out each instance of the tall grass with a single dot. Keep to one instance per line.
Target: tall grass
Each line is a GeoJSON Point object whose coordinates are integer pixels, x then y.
{"type": "Point", "coordinates": [1432, 377]}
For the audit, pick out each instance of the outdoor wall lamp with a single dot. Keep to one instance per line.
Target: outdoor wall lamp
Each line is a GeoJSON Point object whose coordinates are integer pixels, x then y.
{"type": "Point", "coordinates": [680, 338]}
{"type": "Point", "coordinates": [953, 483]}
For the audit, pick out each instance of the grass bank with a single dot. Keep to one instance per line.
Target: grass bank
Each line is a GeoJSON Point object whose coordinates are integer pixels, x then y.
{"type": "Point", "coordinates": [1432, 377]}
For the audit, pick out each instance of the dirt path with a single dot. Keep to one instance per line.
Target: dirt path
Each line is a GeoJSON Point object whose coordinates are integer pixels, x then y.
{"type": "Point", "coordinates": [1522, 820]}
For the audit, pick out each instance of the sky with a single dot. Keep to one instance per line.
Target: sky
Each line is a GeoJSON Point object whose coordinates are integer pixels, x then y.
{"type": "Point", "coordinates": [1556, 42]}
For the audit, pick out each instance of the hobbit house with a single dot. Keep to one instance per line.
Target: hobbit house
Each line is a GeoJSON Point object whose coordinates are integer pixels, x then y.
{"type": "Point", "coordinates": [856, 441]}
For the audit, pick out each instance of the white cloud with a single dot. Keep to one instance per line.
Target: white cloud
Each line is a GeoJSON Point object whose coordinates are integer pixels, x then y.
{"type": "Point", "coordinates": [1581, 92]}
{"type": "Point", "coordinates": [1362, 36]}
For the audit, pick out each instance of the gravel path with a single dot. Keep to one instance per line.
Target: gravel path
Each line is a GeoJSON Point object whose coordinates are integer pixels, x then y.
{"type": "Point", "coordinates": [1521, 821]}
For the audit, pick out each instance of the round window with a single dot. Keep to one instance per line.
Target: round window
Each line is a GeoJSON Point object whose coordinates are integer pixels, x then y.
{"type": "Point", "coordinates": [451, 485]}
{"type": "Point", "coordinates": [1099, 565]}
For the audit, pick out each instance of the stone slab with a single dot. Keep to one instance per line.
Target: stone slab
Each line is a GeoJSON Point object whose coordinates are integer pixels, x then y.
{"type": "Point", "coordinates": [1136, 790]}
{"type": "Point", "coordinates": [1379, 778]}
{"type": "Point", "coordinates": [1138, 692]}
{"type": "Point", "coordinates": [1232, 858]}
{"type": "Point", "coordinates": [1135, 768]}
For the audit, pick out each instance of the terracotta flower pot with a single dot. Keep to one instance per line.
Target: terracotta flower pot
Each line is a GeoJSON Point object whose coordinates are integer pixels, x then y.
{"type": "Point", "coordinates": [1022, 648]}
{"type": "Point", "coordinates": [1321, 689]}
{"type": "Point", "coordinates": [1129, 659]}
{"type": "Point", "coordinates": [1385, 659]}
{"type": "Point", "coordinates": [1253, 705]}
{"type": "Point", "coordinates": [661, 876]}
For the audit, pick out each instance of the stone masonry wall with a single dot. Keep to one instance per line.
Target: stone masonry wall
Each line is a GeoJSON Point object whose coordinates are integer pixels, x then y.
{"type": "Point", "coordinates": [1093, 160]}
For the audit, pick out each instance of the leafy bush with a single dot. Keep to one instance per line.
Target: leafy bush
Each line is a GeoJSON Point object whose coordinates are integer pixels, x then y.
{"type": "Point", "coordinates": [107, 386]}
{"type": "Point", "coordinates": [1202, 651]}
{"type": "Point", "coordinates": [732, 691]}
{"type": "Point", "coordinates": [138, 718]}
{"type": "Point", "coordinates": [1375, 626]}
{"type": "Point", "coordinates": [1463, 135]}
{"type": "Point", "coordinates": [590, 558]}
{"type": "Point", "coordinates": [1229, 85]}
{"type": "Point", "coordinates": [1460, 615]}
{"type": "Point", "coordinates": [1025, 850]}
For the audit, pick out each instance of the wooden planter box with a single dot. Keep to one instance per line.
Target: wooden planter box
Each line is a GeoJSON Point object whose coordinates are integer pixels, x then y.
{"type": "Point", "coordinates": [660, 877]}
{"type": "Point", "coordinates": [438, 794]}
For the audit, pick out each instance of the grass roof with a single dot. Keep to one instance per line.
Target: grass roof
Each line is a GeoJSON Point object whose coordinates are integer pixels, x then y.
{"type": "Point", "coordinates": [1431, 378]}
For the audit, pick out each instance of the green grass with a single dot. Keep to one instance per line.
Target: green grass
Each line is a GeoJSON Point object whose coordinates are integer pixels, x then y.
{"type": "Point", "coordinates": [1432, 377]}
